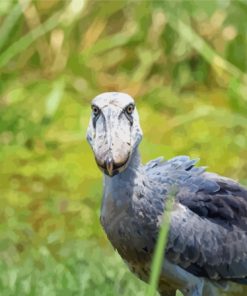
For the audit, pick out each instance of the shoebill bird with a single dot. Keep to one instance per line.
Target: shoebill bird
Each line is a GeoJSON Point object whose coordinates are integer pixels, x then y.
{"type": "Point", "coordinates": [206, 252]}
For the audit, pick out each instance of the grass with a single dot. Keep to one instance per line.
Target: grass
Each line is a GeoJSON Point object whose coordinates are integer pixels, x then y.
{"type": "Point", "coordinates": [158, 257]}
{"type": "Point", "coordinates": [21, 44]}
{"type": "Point", "coordinates": [79, 268]}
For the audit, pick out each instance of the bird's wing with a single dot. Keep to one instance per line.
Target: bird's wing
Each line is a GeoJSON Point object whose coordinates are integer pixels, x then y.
{"type": "Point", "coordinates": [208, 232]}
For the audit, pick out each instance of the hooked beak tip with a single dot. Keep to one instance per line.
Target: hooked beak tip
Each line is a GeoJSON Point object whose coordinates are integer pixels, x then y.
{"type": "Point", "coordinates": [109, 165]}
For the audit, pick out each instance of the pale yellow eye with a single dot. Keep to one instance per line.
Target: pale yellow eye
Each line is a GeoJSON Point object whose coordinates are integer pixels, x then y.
{"type": "Point", "coordinates": [130, 108]}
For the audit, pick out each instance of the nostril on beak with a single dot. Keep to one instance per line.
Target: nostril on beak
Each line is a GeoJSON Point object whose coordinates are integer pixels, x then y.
{"type": "Point", "coordinates": [109, 165]}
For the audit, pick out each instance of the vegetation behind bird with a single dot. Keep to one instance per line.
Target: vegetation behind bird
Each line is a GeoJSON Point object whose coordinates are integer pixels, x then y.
{"type": "Point", "coordinates": [189, 78]}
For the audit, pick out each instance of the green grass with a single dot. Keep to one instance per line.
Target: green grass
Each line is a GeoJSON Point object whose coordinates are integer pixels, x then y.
{"type": "Point", "coordinates": [78, 268]}
{"type": "Point", "coordinates": [158, 257]}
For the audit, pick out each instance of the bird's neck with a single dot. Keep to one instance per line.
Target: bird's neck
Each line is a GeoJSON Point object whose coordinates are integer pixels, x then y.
{"type": "Point", "coordinates": [119, 192]}
{"type": "Point", "coordinates": [124, 181]}
{"type": "Point", "coordinates": [133, 166]}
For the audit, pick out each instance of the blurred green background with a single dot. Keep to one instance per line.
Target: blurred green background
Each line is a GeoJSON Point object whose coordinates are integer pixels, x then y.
{"type": "Point", "coordinates": [184, 62]}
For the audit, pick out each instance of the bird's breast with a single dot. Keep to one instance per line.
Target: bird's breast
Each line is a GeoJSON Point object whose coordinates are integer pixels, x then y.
{"type": "Point", "coordinates": [125, 227]}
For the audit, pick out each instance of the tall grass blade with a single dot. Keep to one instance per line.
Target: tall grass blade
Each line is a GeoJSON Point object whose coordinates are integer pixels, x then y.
{"type": "Point", "coordinates": [10, 22]}
{"type": "Point", "coordinates": [107, 43]}
{"type": "Point", "coordinates": [54, 98]}
{"type": "Point", "coordinates": [28, 39]}
{"type": "Point", "coordinates": [195, 41]}
{"type": "Point", "coordinates": [158, 259]}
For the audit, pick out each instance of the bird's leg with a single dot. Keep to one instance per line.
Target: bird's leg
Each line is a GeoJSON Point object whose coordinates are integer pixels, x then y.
{"type": "Point", "coordinates": [180, 279]}
{"type": "Point", "coordinates": [205, 288]}
{"type": "Point", "coordinates": [196, 290]}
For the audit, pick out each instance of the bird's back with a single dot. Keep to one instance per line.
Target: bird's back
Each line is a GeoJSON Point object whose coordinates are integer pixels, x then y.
{"type": "Point", "coordinates": [208, 232]}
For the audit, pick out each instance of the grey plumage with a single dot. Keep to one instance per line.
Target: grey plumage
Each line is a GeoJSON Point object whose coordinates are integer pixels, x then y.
{"type": "Point", "coordinates": [207, 245]}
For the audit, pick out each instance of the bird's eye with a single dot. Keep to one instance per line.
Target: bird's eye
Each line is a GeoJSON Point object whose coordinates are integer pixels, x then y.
{"type": "Point", "coordinates": [95, 110]}
{"type": "Point", "coordinates": [130, 108]}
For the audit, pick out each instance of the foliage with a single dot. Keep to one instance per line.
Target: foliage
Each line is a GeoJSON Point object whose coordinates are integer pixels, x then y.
{"type": "Point", "coordinates": [68, 272]}
{"type": "Point", "coordinates": [185, 63]}
{"type": "Point", "coordinates": [158, 257]}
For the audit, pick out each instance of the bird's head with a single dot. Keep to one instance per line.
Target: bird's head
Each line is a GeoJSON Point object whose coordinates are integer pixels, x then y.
{"type": "Point", "coordinates": [114, 131]}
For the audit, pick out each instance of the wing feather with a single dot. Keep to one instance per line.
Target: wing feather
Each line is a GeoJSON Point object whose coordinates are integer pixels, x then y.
{"type": "Point", "coordinates": [208, 232]}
